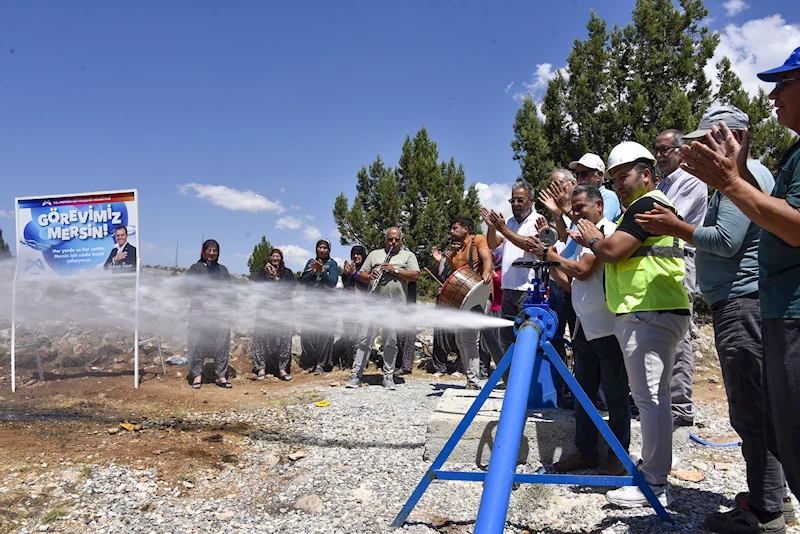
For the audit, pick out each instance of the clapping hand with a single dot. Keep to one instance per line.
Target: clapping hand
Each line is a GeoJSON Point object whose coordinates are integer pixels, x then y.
{"type": "Point", "coordinates": [658, 221]}
{"type": "Point", "coordinates": [721, 161]}
{"type": "Point", "coordinates": [588, 232]}
{"type": "Point", "coordinates": [316, 266]}
{"type": "Point", "coordinates": [437, 256]}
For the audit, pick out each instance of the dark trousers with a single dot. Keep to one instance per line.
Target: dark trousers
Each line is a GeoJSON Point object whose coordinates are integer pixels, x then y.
{"type": "Point", "coordinates": [601, 361]}
{"type": "Point", "coordinates": [444, 342]}
{"type": "Point", "coordinates": [737, 332]}
{"type": "Point", "coordinates": [782, 373]}
{"type": "Point", "coordinates": [405, 348]}
{"type": "Point", "coordinates": [511, 305]}
{"type": "Point", "coordinates": [561, 302]}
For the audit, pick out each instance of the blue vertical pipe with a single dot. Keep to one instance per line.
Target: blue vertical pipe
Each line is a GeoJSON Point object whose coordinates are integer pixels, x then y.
{"type": "Point", "coordinates": [503, 464]}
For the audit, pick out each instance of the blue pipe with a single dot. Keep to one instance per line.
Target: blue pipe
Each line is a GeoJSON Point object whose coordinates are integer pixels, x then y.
{"type": "Point", "coordinates": [712, 444]}
{"type": "Point", "coordinates": [503, 465]}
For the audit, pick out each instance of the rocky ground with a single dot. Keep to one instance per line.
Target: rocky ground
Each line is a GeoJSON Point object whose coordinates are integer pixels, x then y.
{"type": "Point", "coordinates": [88, 453]}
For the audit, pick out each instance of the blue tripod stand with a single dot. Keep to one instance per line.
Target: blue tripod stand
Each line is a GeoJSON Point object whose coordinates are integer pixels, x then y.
{"type": "Point", "coordinates": [534, 327]}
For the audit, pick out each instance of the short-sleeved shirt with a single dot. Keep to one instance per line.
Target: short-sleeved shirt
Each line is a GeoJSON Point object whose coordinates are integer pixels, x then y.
{"type": "Point", "coordinates": [779, 262]}
{"type": "Point", "coordinates": [589, 296]}
{"type": "Point", "coordinates": [517, 277]}
{"type": "Point", "coordinates": [391, 286]}
{"type": "Point", "coordinates": [629, 224]}
{"type": "Point", "coordinates": [688, 194]}
{"type": "Point", "coordinates": [461, 258]}
{"type": "Point", "coordinates": [611, 207]}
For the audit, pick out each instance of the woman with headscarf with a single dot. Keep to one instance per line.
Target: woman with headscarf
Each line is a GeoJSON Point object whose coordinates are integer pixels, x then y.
{"type": "Point", "coordinates": [353, 288]}
{"type": "Point", "coordinates": [320, 273]}
{"type": "Point", "coordinates": [209, 316]}
{"type": "Point", "coordinates": [272, 342]}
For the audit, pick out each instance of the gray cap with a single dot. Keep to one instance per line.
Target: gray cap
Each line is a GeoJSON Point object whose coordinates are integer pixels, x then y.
{"type": "Point", "coordinates": [733, 117]}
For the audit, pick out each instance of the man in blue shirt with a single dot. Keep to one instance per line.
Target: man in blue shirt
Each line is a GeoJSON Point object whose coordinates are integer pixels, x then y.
{"type": "Point", "coordinates": [727, 271]}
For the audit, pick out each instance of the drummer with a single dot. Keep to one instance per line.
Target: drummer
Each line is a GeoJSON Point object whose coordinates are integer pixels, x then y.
{"type": "Point", "coordinates": [475, 254]}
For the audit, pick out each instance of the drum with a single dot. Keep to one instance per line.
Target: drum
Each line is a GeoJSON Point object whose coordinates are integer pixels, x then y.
{"type": "Point", "coordinates": [464, 290]}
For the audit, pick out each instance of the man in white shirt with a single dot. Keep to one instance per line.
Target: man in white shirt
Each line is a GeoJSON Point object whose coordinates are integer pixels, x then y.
{"type": "Point", "coordinates": [690, 196]}
{"type": "Point", "coordinates": [515, 281]}
{"type": "Point", "coordinates": [595, 346]}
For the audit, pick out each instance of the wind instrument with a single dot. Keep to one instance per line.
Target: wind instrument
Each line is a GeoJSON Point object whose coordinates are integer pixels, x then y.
{"type": "Point", "coordinates": [375, 283]}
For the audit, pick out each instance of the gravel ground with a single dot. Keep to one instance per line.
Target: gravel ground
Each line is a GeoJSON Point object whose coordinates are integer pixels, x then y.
{"type": "Point", "coordinates": [348, 468]}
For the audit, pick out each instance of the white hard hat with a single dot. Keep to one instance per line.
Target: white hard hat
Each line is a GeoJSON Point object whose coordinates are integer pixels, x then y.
{"type": "Point", "coordinates": [627, 152]}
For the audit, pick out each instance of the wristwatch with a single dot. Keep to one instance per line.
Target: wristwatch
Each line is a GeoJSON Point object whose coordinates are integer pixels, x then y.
{"type": "Point", "coordinates": [592, 241]}
{"type": "Point", "coordinates": [396, 271]}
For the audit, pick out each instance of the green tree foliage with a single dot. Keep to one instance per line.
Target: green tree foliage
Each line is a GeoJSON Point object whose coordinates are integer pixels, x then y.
{"type": "Point", "coordinates": [421, 196]}
{"type": "Point", "coordinates": [4, 251]}
{"type": "Point", "coordinates": [259, 257]}
{"type": "Point", "coordinates": [621, 84]}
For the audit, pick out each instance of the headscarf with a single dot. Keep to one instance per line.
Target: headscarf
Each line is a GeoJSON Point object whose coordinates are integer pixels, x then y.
{"type": "Point", "coordinates": [206, 244]}
{"type": "Point", "coordinates": [279, 251]}
{"type": "Point", "coordinates": [498, 257]}
{"type": "Point", "coordinates": [361, 250]}
{"type": "Point", "coordinates": [323, 240]}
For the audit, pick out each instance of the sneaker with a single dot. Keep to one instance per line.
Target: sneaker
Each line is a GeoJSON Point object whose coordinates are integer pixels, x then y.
{"type": "Point", "coordinates": [474, 387]}
{"type": "Point", "coordinates": [574, 462]}
{"type": "Point", "coordinates": [353, 383]}
{"type": "Point", "coordinates": [789, 515]}
{"type": "Point", "coordinates": [613, 467]}
{"type": "Point", "coordinates": [680, 421]}
{"type": "Point", "coordinates": [632, 496]}
{"type": "Point", "coordinates": [401, 372]}
{"type": "Point", "coordinates": [457, 375]}
{"type": "Point", "coordinates": [388, 383]}
{"type": "Point", "coordinates": [741, 520]}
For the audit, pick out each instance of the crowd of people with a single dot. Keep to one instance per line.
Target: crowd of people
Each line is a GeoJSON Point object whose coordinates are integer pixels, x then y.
{"type": "Point", "coordinates": [629, 262]}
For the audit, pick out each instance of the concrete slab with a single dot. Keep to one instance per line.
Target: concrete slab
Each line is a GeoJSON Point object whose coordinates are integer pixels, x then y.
{"type": "Point", "coordinates": [548, 435]}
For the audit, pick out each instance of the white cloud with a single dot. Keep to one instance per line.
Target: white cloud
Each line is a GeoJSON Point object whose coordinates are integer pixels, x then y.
{"type": "Point", "coordinates": [282, 189]}
{"type": "Point", "coordinates": [295, 207]}
{"type": "Point", "coordinates": [754, 46]}
{"type": "Point", "coordinates": [295, 256]}
{"type": "Point", "coordinates": [734, 7]}
{"type": "Point", "coordinates": [6, 214]}
{"type": "Point", "coordinates": [495, 197]}
{"type": "Point", "coordinates": [310, 217]}
{"type": "Point", "coordinates": [288, 222]}
{"type": "Point", "coordinates": [509, 86]}
{"type": "Point", "coordinates": [149, 246]}
{"type": "Point", "coordinates": [311, 233]}
{"type": "Point", "coordinates": [232, 199]}
{"type": "Point", "coordinates": [539, 80]}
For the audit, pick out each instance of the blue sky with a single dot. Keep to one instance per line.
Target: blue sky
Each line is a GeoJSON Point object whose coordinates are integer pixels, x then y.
{"type": "Point", "coordinates": [241, 119]}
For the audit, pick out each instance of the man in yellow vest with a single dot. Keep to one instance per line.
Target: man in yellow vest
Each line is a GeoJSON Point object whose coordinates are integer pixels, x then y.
{"type": "Point", "coordinates": [644, 288]}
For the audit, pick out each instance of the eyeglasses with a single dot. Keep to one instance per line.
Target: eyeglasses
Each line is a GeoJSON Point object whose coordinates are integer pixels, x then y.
{"type": "Point", "coordinates": [585, 173]}
{"type": "Point", "coordinates": [663, 149]}
{"type": "Point", "coordinates": [781, 83]}
{"type": "Point", "coordinates": [391, 239]}
{"type": "Point", "coordinates": [517, 200]}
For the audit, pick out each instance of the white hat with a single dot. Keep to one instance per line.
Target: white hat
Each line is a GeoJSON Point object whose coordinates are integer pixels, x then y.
{"type": "Point", "coordinates": [628, 152]}
{"type": "Point", "coordinates": [590, 161]}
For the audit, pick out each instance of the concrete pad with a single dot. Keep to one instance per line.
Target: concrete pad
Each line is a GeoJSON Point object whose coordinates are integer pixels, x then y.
{"type": "Point", "coordinates": [548, 434]}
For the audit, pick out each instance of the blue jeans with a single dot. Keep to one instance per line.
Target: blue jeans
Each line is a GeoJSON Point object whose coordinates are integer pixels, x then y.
{"type": "Point", "coordinates": [600, 361]}
{"type": "Point", "coordinates": [737, 333]}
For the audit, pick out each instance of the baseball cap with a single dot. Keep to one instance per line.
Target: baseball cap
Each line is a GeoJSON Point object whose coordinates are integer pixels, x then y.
{"type": "Point", "coordinates": [790, 64]}
{"type": "Point", "coordinates": [733, 117]}
{"type": "Point", "coordinates": [590, 161]}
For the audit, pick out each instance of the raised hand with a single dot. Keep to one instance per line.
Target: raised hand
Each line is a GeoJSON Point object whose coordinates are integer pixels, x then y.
{"type": "Point", "coordinates": [549, 202]}
{"type": "Point", "coordinates": [437, 256]}
{"type": "Point", "coordinates": [718, 162]}
{"type": "Point", "coordinates": [658, 221]}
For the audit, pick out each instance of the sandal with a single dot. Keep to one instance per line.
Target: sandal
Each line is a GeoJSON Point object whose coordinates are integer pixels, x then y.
{"type": "Point", "coordinates": [224, 384]}
{"type": "Point", "coordinates": [196, 385]}
{"type": "Point", "coordinates": [286, 377]}
{"type": "Point", "coordinates": [318, 371]}
{"type": "Point", "coordinates": [261, 375]}
{"type": "Point", "coordinates": [308, 371]}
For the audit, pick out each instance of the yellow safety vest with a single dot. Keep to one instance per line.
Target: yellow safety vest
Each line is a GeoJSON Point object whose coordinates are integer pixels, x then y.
{"type": "Point", "coordinates": [651, 279]}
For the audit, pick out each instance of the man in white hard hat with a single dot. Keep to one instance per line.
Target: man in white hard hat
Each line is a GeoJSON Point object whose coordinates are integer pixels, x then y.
{"type": "Point", "coordinates": [644, 289]}
{"type": "Point", "coordinates": [690, 197]}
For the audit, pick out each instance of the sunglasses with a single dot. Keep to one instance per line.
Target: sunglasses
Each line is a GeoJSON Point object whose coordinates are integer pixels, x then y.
{"type": "Point", "coordinates": [781, 83]}
{"type": "Point", "coordinates": [517, 200]}
{"type": "Point", "coordinates": [585, 173]}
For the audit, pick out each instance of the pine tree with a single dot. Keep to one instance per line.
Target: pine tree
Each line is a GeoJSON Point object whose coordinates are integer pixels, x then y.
{"type": "Point", "coordinates": [259, 257]}
{"type": "Point", "coordinates": [420, 196]}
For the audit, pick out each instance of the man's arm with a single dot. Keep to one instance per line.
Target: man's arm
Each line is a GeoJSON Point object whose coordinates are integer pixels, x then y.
{"type": "Point", "coordinates": [726, 237]}
{"type": "Point", "coordinates": [663, 221]}
{"type": "Point", "coordinates": [580, 270]}
{"type": "Point", "coordinates": [487, 262]}
{"type": "Point", "coordinates": [775, 215]}
{"type": "Point", "coordinates": [612, 249]}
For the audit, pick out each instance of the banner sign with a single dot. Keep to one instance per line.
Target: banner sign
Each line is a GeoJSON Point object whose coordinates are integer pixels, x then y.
{"type": "Point", "coordinates": [84, 233]}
